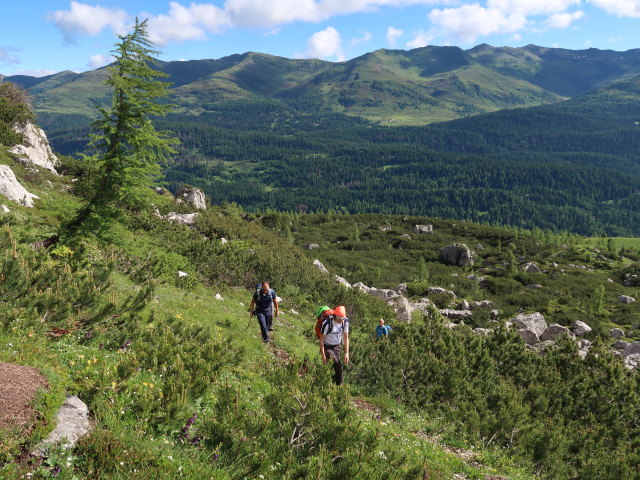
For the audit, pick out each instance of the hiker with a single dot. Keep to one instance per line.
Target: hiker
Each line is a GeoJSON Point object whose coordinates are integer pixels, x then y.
{"type": "Point", "coordinates": [321, 313]}
{"type": "Point", "coordinates": [263, 304]}
{"type": "Point", "coordinates": [333, 333]}
{"type": "Point", "coordinates": [382, 330]}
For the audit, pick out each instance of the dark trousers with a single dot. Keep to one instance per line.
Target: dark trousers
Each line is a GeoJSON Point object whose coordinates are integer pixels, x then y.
{"type": "Point", "coordinates": [333, 352]}
{"type": "Point", "coordinates": [264, 319]}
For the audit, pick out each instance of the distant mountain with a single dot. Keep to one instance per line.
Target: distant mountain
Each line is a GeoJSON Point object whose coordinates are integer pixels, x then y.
{"type": "Point", "coordinates": [414, 87]}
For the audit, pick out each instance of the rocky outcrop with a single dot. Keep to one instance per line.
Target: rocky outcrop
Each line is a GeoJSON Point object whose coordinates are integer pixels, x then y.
{"type": "Point", "coordinates": [632, 361]}
{"type": "Point", "coordinates": [580, 328]}
{"type": "Point", "coordinates": [532, 268]}
{"type": "Point", "coordinates": [423, 229]}
{"type": "Point", "coordinates": [456, 314]}
{"type": "Point", "coordinates": [552, 332]}
{"type": "Point", "coordinates": [72, 424]}
{"type": "Point", "coordinates": [626, 299]}
{"type": "Point", "coordinates": [457, 254]}
{"type": "Point", "coordinates": [383, 293]}
{"type": "Point", "coordinates": [35, 149]}
{"type": "Point", "coordinates": [438, 290]}
{"type": "Point", "coordinates": [318, 264]}
{"type": "Point", "coordinates": [631, 349]}
{"type": "Point", "coordinates": [342, 281]}
{"type": "Point", "coordinates": [616, 333]}
{"type": "Point", "coordinates": [403, 309]}
{"type": "Point", "coordinates": [534, 322]}
{"type": "Point", "coordinates": [188, 219]}
{"type": "Point", "coordinates": [529, 336]}
{"type": "Point", "coordinates": [11, 188]}
{"type": "Point", "coordinates": [192, 196]}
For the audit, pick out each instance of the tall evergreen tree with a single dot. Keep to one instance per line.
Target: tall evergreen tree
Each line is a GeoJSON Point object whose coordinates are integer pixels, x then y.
{"type": "Point", "coordinates": [130, 149]}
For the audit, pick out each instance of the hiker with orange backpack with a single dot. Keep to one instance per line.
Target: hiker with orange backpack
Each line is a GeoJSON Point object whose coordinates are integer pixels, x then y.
{"type": "Point", "coordinates": [321, 313]}
{"type": "Point", "coordinates": [334, 333]}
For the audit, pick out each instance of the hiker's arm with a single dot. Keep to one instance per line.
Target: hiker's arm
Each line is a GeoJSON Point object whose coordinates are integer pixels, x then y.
{"type": "Point", "coordinates": [323, 355]}
{"type": "Point", "coordinates": [276, 307]}
{"type": "Point", "coordinates": [345, 340]}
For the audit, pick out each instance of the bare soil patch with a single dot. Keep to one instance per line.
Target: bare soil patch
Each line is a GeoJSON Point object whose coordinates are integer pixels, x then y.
{"type": "Point", "coordinates": [18, 387]}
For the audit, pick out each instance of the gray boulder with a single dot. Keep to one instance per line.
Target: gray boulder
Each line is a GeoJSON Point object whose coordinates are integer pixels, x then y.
{"type": "Point", "coordinates": [423, 229]}
{"type": "Point", "coordinates": [342, 281]}
{"type": "Point", "coordinates": [620, 344]}
{"type": "Point", "coordinates": [192, 196]}
{"type": "Point", "coordinates": [35, 149]}
{"type": "Point", "coordinates": [4, 209]}
{"type": "Point", "coordinates": [631, 280]}
{"type": "Point", "coordinates": [457, 254]}
{"type": "Point", "coordinates": [543, 345]}
{"type": "Point", "coordinates": [483, 332]}
{"type": "Point", "coordinates": [401, 289]}
{"type": "Point", "coordinates": [386, 228]}
{"type": "Point", "coordinates": [311, 246]}
{"type": "Point", "coordinates": [632, 361]}
{"type": "Point", "coordinates": [456, 314]}
{"type": "Point", "coordinates": [616, 333]}
{"type": "Point", "coordinates": [626, 299]}
{"type": "Point", "coordinates": [554, 331]}
{"type": "Point", "coordinates": [437, 290]}
{"type": "Point", "coordinates": [72, 424]}
{"type": "Point", "coordinates": [531, 321]}
{"type": "Point", "coordinates": [631, 349]}
{"type": "Point", "coordinates": [534, 286]}
{"type": "Point", "coordinates": [482, 304]}
{"type": "Point", "coordinates": [580, 328]}
{"type": "Point", "coordinates": [529, 336]}
{"type": "Point", "coordinates": [403, 309]}
{"type": "Point", "coordinates": [532, 268]}
{"type": "Point", "coordinates": [318, 264]}
{"type": "Point", "coordinates": [182, 218]}
{"type": "Point", "coordinates": [11, 188]}
{"type": "Point", "coordinates": [383, 293]}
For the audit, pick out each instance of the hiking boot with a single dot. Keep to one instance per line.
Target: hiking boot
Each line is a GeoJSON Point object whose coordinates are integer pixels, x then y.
{"type": "Point", "coordinates": [270, 329]}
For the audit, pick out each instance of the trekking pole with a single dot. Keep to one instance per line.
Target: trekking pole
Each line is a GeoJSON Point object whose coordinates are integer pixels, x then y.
{"type": "Point", "coordinates": [250, 315]}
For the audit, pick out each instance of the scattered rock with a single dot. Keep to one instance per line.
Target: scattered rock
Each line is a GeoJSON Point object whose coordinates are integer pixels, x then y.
{"type": "Point", "coordinates": [631, 348]}
{"type": "Point", "coordinates": [554, 331]}
{"type": "Point", "coordinates": [424, 304]}
{"type": "Point", "coordinates": [403, 309]}
{"type": "Point", "coordinates": [437, 290]}
{"type": "Point", "coordinates": [35, 149]}
{"type": "Point", "coordinates": [182, 274]}
{"type": "Point", "coordinates": [602, 258]}
{"type": "Point", "coordinates": [543, 345]}
{"type": "Point", "coordinates": [457, 254]}
{"type": "Point", "coordinates": [406, 235]}
{"type": "Point", "coordinates": [401, 289]}
{"type": "Point", "coordinates": [616, 333]}
{"type": "Point", "coordinates": [192, 196]}
{"type": "Point", "coordinates": [465, 305]}
{"type": "Point", "coordinates": [423, 229]}
{"type": "Point", "coordinates": [534, 286]}
{"type": "Point", "coordinates": [482, 304]}
{"type": "Point", "coordinates": [531, 321]}
{"type": "Point", "coordinates": [456, 314]}
{"type": "Point", "coordinates": [630, 280]}
{"type": "Point", "coordinates": [620, 344]}
{"type": "Point", "coordinates": [494, 314]}
{"type": "Point", "coordinates": [479, 246]}
{"type": "Point", "coordinates": [318, 264]}
{"type": "Point", "coordinates": [183, 218]}
{"type": "Point", "coordinates": [342, 281]}
{"type": "Point", "coordinates": [294, 312]}
{"type": "Point", "coordinates": [483, 332]}
{"type": "Point", "coordinates": [580, 328]}
{"type": "Point", "coordinates": [4, 209]}
{"type": "Point", "coordinates": [583, 343]}
{"type": "Point", "coordinates": [223, 240]}
{"type": "Point", "coordinates": [72, 424]}
{"type": "Point", "coordinates": [532, 268]}
{"type": "Point", "coordinates": [361, 286]}
{"type": "Point", "coordinates": [632, 361]}
{"type": "Point", "coordinates": [11, 188]}
{"type": "Point", "coordinates": [529, 336]}
{"type": "Point", "coordinates": [219, 297]}
{"type": "Point", "coordinates": [311, 246]}
{"type": "Point", "coordinates": [386, 228]}
{"type": "Point", "coordinates": [626, 299]}
{"type": "Point", "coordinates": [383, 293]}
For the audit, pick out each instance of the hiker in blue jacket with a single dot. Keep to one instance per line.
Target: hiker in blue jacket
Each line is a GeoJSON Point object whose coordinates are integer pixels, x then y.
{"type": "Point", "coordinates": [382, 330]}
{"type": "Point", "coordinates": [264, 304]}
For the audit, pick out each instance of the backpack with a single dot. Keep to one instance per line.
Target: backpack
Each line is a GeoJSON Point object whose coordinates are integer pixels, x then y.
{"type": "Point", "coordinates": [320, 320]}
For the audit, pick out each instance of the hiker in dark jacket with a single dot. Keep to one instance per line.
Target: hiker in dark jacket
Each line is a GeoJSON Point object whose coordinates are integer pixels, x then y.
{"type": "Point", "coordinates": [333, 334]}
{"type": "Point", "coordinates": [263, 304]}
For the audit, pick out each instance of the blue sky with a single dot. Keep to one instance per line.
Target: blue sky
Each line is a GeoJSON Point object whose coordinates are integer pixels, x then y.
{"type": "Point", "coordinates": [40, 37]}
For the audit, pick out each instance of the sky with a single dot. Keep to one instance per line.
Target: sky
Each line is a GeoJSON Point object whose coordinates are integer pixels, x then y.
{"type": "Point", "coordinates": [41, 37]}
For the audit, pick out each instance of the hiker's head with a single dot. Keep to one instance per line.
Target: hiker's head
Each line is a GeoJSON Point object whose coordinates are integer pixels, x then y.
{"type": "Point", "coordinates": [381, 322]}
{"type": "Point", "coordinates": [265, 286]}
{"type": "Point", "coordinates": [321, 310]}
{"type": "Point", "coordinates": [340, 311]}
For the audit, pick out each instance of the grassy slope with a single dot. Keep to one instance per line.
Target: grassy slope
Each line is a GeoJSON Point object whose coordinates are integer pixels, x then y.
{"type": "Point", "coordinates": [129, 441]}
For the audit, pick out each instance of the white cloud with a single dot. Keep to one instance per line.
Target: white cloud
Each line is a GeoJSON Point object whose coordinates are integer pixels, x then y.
{"type": "Point", "coordinates": [392, 35]}
{"type": "Point", "coordinates": [563, 20]}
{"type": "Point", "coordinates": [531, 7]}
{"type": "Point", "coordinates": [268, 13]}
{"type": "Point", "coordinates": [40, 72]}
{"type": "Point", "coordinates": [187, 23]}
{"type": "Point", "coordinates": [420, 39]}
{"type": "Point", "coordinates": [365, 38]}
{"type": "Point", "coordinates": [97, 61]}
{"type": "Point", "coordinates": [7, 55]}
{"type": "Point", "coordinates": [325, 44]}
{"type": "Point", "coordinates": [468, 22]}
{"type": "Point", "coordinates": [621, 8]}
{"type": "Point", "coordinates": [83, 19]}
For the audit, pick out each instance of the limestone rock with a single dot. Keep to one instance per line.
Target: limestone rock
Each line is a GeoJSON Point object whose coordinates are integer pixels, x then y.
{"type": "Point", "coordinates": [403, 308]}
{"type": "Point", "coordinates": [532, 268]}
{"type": "Point", "coordinates": [4, 209]}
{"type": "Point", "coordinates": [626, 299]}
{"type": "Point", "coordinates": [406, 235]}
{"type": "Point", "coordinates": [483, 332]}
{"type": "Point", "coordinates": [531, 321]}
{"type": "Point", "coordinates": [383, 293]}
{"type": "Point", "coordinates": [192, 196]}
{"type": "Point", "coordinates": [318, 264]}
{"type": "Point", "coordinates": [632, 361]}
{"type": "Point", "coordinates": [423, 305]}
{"type": "Point", "coordinates": [534, 286]}
{"type": "Point", "coordinates": [631, 349]}
{"type": "Point", "coordinates": [72, 424]}
{"type": "Point", "coordinates": [342, 281]}
{"type": "Point", "coordinates": [465, 305]}
{"type": "Point", "coordinates": [631, 280]}
{"type": "Point", "coordinates": [423, 229]}
{"type": "Point", "coordinates": [620, 344]}
{"type": "Point", "coordinates": [457, 254]}
{"type": "Point", "coordinates": [361, 286]}
{"type": "Point", "coordinates": [482, 304]}
{"type": "Point", "coordinates": [437, 290]}
{"type": "Point", "coordinates": [529, 336]}
{"type": "Point", "coordinates": [456, 314]}
{"type": "Point", "coordinates": [11, 188]}
{"type": "Point", "coordinates": [616, 333]}
{"type": "Point", "coordinates": [219, 297]}
{"type": "Point", "coordinates": [311, 246]}
{"type": "Point", "coordinates": [35, 149]}
{"type": "Point", "coordinates": [401, 289]}
{"type": "Point", "coordinates": [580, 328]}
{"type": "Point", "coordinates": [386, 228]}
{"type": "Point", "coordinates": [554, 331]}
{"type": "Point", "coordinates": [183, 218]}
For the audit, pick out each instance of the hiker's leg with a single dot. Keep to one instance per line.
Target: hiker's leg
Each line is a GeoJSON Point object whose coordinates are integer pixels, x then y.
{"type": "Point", "coordinates": [263, 325]}
{"type": "Point", "coordinates": [334, 353]}
{"type": "Point", "coordinates": [269, 322]}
